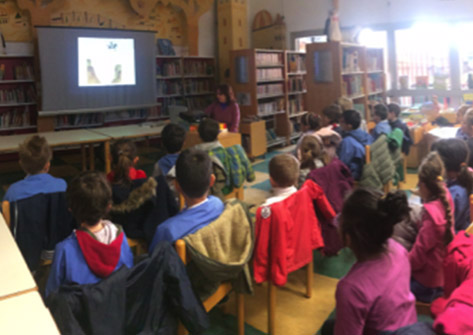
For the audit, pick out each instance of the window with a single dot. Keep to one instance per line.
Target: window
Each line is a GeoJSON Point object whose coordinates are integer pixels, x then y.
{"type": "Point", "coordinates": [303, 41]}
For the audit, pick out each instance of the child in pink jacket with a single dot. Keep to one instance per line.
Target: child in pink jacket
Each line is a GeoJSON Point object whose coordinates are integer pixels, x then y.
{"type": "Point", "coordinates": [435, 231]}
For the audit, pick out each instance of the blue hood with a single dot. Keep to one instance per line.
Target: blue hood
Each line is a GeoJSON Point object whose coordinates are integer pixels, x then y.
{"type": "Point", "coordinates": [360, 136]}
{"type": "Point", "coordinates": [167, 162]}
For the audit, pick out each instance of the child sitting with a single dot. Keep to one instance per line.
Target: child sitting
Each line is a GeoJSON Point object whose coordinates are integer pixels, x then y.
{"type": "Point", "coordinates": [378, 283]}
{"type": "Point", "coordinates": [124, 159]}
{"type": "Point", "coordinates": [461, 111]}
{"type": "Point", "coordinates": [393, 116]}
{"type": "Point", "coordinates": [466, 130]}
{"type": "Point", "coordinates": [35, 159]}
{"type": "Point", "coordinates": [173, 137]}
{"type": "Point", "coordinates": [193, 180]}
{"type": "Point", "coordinates": [435, 232]}
{"type": "Point", "coordinates": [283, 175]}
{"type": "Point", "coordinates": [310, 124]}
{"type": "Point", "coordinates": [380, 116]}
{"type": "Point", "coordinates": [352, 148]}
{"type": "Point", "coordinates": [98, 247]}
{"type": "Point", "coordinates": [312, 157]}
{"type": "Point", "coordinates": [454, 153]}
{"type": "Point", "coordinates": [431, 110]}
{"type": "Point", "coordinates": [331, 117]}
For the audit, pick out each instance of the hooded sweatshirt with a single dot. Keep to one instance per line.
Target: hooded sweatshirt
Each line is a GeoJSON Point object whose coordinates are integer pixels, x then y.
{"type": "Point", "coordinates": [352, 150]}
{"type": "Point", "coordinates": [382, 127]}
{"type": "Point", "coordinates": [87, 258]}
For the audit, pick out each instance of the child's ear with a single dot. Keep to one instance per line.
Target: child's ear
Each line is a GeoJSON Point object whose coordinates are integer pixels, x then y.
{"type": "Point", "coordinates": [47, 166]}
{"type": "Point", "coordinates": [272, 182]}
{"type": "Point", "coordinates": [177, 186]}
{"type": "Point", "coordinates": [135, 160]}
{"type": "Point", "coordinates": [212, 180]}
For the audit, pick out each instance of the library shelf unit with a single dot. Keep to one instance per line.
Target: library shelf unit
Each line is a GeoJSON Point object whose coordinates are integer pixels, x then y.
{"type": "Point", "coordinates": [339, 69]}
{"type": "Point", "coordinates": [270, 89]}
{"type": "Point", "coordinates": [18, 109]}
{"type": "Point", "coordinates": [185, 81]}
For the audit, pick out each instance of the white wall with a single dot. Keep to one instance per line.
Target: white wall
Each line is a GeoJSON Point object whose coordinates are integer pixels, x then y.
{"type": "Point", "coordinates": [207, 34]}
{"type": "Point", "coordinates": [311, 14]}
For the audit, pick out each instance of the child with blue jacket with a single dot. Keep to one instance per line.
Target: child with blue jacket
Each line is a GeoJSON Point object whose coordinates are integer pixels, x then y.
{"type": "Point", "coordinates": [173, 137]}
{"type": "Point", "coordinates": [352, 148]}
{"type": "Point", "coordinates": [380, 117]}
{"type": "Point", "coordinates": [98, 247]}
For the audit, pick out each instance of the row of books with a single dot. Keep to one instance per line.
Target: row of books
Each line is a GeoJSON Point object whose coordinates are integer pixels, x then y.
{"type": "Point", "coordinates": [199, 103]}
{"type": "Point", "coordinates": [270, 89]}
{"type": "Point", "coordinates": [15, 118]}
{"type": "Point", "coordinates": [296, 63]}
{"type": "Point", "coordinates": [350, 61]}
{"type": "Point", "coordinates": [374, 83]}
{"type": "Point", "coordinates": [269, 74]}
{"type": "Point", "coordinates": [272, 107]}
{"type": "Point", "coordinates": [296, 105]}
{"type": "Point", "coordinates": [168, 69]}
{"type": "Point", "coordinates": [134, 114]}
{"type": "Point", "coordinates": [20, 72]}
{"type": "Point", "coordinates": [17, 95]}
{"type": "Point", "coordinates": [268, 59]}
{"type": "Point", "coordinates": [76, 120]}
{"type": "Point", "coordinates": [296, 85]}
{"type": "Point", "coordinates": [352, 85]}
{"type": "Point", "coordinates": [197, 86]}
{"type": "Point", "coordinates": [198, 68]}
{"type": "Point", "coordinates": [168, 87]}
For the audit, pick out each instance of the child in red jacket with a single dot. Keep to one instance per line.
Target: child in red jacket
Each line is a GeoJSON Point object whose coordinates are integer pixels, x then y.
{"type": "Point", "coordinates": [435, 231]}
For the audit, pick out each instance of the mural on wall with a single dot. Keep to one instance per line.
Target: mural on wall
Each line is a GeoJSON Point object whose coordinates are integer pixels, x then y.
{"type": "Point", "coordinates": [176, 20]}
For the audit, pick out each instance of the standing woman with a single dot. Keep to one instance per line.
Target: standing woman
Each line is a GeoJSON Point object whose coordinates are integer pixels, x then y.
{"type": "Point", "coordinates": [225, 109]}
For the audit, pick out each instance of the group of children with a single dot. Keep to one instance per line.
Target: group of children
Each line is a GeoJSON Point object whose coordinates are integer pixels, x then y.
{"type": "Point", "coordinates": [386, 277]}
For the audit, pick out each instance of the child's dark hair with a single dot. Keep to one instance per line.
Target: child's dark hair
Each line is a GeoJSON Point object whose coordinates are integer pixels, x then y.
{"type": "Point", "coordinates": [284, 170]}
{"type": "Point", "coordinates": [394, 108]}
{"type": "Point", "coordinates": [369, 217]}
{"type": "Point", "coordinates": [311, 149]}
{"type": "Point", "coordinates": [123, 153]}
{"type": "Point", "coordinates": [312, 120]}
{"type": "Point", "coordinates": [455, 155]}
{"type": "Point", "coordinates": [469, 143]}
{"type": "Point", "coordinates": [381, 110]}
{"type": "Point", "coordinates": [89, 196]}
{"type": "Point", "coordinates": [208, 130]}
{"type": "Point", "coordinates": [193, 172]}
{"type": "Point", "coordinates": [227, 91]}
{"type": "Point", "coordinates": [431, 173]}
{"type": "Point", "coordinates": [352, 117]}
{"type": "Point", "coordinates": [333, 113]}
{"type": "Point", "coordinates": [34, 154]}
{"type": "Point", "coordinates": [173, 137]}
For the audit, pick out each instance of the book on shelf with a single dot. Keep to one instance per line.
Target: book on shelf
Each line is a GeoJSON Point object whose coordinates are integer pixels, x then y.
{"type": "Point", "coordinates": [350, 61]}
{"type": "Point", "coordinates": [352, 85]}
{"type": "Point", "coordinates": [269, 74]}
{"type": "Point", "coordinates": [17, 95]}
{"type": "Point", "coordinates": [374, 61]}
{"type": "Point", "coordinates": [77, 120]}
{"type": "Point", "coordinates": [15, 118]}
{"type": "Point", "coordinates": [270, 89]}
{"type": "Point", "coordinates": [192, 86]}
{"type": "Point", "coordinates": [297, 85]}
{"type": "Point", "coordinates": [199, 103]}
{"type": "Point", "coordinates": [168, 88]}
{"type": "Point", "coordinates": [269, 59]}
{"type": "Point", "coordinates": [168, 69]}
{"type": "Point", "coordinates": [272, 107]}
{"type": "Point", "coordinates": [296, 62]}
{"type": "Point", "coordinates": [374, 82]}
{"type": "Point", "coordinates": [196, 67]}
{"type": "Point", "coordinates": [360, 108]}
{"type": "Point", "coordinates": [296, 105]}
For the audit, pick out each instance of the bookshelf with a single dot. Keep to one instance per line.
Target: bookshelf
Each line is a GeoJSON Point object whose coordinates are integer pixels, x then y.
{"type": "Point", "coordinates": [267, 84]}
{"type": "Point", "coordinates": [18, 109]}
{"type": "Point", "coordinates": [185, 81]}
{"type": "Point", "coordinates": [296, 90]}
{"type": "Point", "coordinates": [338, 69]}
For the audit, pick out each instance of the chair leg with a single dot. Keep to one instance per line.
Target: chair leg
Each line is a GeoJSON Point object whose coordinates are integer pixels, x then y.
{"type": "Point", "coordinates": [241, 313]}
{"type": "Point", "coordinates": [271, 308]}
{"type": "Point", "coordinates": [181, 330]}
{"type": "Point", "coordinates": [310, 276]}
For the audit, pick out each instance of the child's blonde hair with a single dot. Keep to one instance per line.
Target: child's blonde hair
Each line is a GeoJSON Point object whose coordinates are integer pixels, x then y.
{"type": "Point", "coordinates": [431, 173]}
{"type": "Point", "coordinates": [34, 154]}
{"type": "Point", "coordinates": [311, 149]}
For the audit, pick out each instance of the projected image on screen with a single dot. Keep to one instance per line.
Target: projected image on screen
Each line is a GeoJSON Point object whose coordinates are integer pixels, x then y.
{"type": "Point", "coordinates": [106, 61]}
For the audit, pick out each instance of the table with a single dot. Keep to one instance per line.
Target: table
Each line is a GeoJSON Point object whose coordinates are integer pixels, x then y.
{"type": "Point", "coordinates": [15, 277]}
{"type": "Point", "coordinates": [56, 139]}
{"type": "Point", "coordinates": [26, 314]}
{"type": "Point", "coordinates": [226, 139]}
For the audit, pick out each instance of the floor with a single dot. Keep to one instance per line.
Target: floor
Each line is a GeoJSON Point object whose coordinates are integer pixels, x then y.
{"type": "Point", "coordinates": [295, 314]}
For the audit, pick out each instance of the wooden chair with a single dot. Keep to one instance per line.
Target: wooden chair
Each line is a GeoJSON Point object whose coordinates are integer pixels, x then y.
{"type": "Point", "coordinates": [6, 212]}
{"type": "Point", "coordinates": [272, 297]}
{"type": "Point", "coordinates": [223, 290]}
{"type": "Point", "coordinates": [423, 308]}
{"type": "Point", "coordinates": [137, 246]}
{"type": "Point", "coordinates": [367, 154]}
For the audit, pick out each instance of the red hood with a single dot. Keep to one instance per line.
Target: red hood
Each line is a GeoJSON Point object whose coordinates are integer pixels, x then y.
{"type": "Point", "coordinates": [101, 258]}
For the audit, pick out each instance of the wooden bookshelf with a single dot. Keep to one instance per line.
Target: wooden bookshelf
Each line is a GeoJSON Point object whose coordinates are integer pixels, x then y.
{"type": "Point", "coordinates": [262, 81]}
{"type": "Point", "coordinates": [18, 109]}
{"type": "Point", "coordinates": [185, 81]}
{"type": "Point", "coordinates": [338, 69]}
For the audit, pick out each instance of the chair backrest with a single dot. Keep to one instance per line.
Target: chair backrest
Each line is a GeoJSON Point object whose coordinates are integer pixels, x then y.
{"type": "Point", "coordinates": [6, 212]}
{"type": "Point", "coordinates": [181, 250]}
{"type": "Point", "coordinates": [367, 154]}
{"type": "Point", "coordinates": [471, 208]}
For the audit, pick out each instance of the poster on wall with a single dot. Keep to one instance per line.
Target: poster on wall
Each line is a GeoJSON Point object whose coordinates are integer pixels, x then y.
{"type": "Point", "coordinates": [14, 24]}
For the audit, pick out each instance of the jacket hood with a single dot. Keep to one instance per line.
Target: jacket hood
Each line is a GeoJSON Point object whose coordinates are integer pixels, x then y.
{"type": "Point", "coordinates": [101, 258]}
{"type": "Point", "coordinates": [361, 136]}
{"type": "Point", "coordinates": [167, 162]}
{"type": "Point", "coordinates": [137, 197]}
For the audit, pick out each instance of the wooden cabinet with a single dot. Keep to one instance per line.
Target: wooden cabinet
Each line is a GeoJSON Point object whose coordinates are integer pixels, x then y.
{"type": "Point", "coordinates": [255, 136]}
